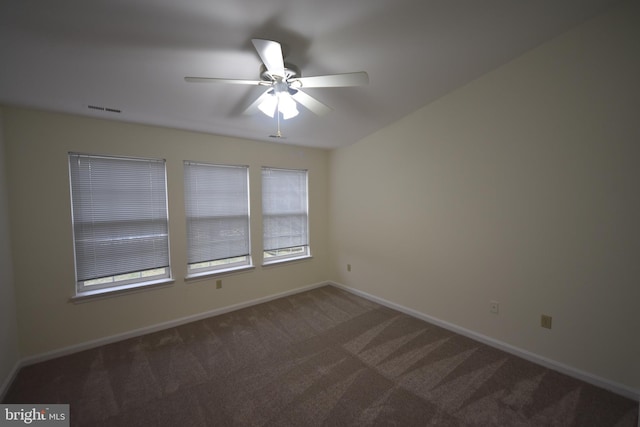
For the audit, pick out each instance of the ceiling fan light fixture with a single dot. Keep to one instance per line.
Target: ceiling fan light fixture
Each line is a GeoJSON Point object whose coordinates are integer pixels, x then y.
{"type": "Point", "coordinates": [281, 102]}
{"type": "Point", "coordinates": [268, 105]}
{"type": "Point", "coordinates": [287, 105]}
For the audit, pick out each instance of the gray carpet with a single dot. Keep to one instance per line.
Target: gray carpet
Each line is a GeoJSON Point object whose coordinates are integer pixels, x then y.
{"type": "Point", "coordinates": [322, 357]}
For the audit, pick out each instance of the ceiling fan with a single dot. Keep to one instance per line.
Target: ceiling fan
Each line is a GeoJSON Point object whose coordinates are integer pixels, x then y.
{"type": "Point", "coordinates": [284, 84]}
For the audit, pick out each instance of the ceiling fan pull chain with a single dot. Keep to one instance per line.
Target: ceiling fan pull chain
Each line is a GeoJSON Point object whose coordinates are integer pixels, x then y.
{"type": "Point", "coordinates": [278, 114]}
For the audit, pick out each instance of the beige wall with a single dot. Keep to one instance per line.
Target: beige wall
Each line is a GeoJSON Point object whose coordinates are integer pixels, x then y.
{"type": "Point", "coordinates": [9, 352]}
{"type": "Point", "coordinates": [522, 187]}
{"type": "Point", "coordinates": [37, 145]}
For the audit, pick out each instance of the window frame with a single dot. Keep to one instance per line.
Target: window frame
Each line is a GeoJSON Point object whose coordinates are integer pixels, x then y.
{"type": "Point", "coordinates": [290, 253]}
{"type": "Point", "coordinates": [223, 265]}
{"type": "Point", "coordinates": [138, 278]}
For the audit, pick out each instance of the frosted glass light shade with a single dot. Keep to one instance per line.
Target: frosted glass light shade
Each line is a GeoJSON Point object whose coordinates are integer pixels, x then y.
{"type": "Point", "coordinates": [282, 102]}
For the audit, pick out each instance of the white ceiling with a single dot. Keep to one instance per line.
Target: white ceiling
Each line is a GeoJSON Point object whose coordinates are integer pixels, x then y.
{"type": "Point", "coordinates": [132, 55]}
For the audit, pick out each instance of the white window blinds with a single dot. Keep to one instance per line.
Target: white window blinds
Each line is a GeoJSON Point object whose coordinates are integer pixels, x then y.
{"type": "Point", "coordinates": [217, 208]}
{"type": "Point", "coordinates": [120, 220]}
{"type": "Point", "coordinates": [284, 211]}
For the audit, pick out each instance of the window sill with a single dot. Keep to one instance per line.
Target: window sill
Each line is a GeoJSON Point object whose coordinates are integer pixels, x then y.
{"type": "Point", "coordinates": [220, 272]}
{"type": "Point", "coordinates": [120, 290]}
{"type": "Point", "coordinates": [286, 261]}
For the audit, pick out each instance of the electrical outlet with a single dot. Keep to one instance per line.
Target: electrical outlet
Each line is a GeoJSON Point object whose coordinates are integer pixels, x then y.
{"type": "Point", "coordinates": [348, 267]}
{"type": "Point", "coordinates": [219, 284]}
{"type": "Point", "coordinates": [494, 307]}
{"type": "Point", "coordinates": [545, 321]}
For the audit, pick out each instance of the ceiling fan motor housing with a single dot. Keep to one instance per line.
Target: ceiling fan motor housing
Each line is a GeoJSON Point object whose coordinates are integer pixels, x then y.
{"type": "Point", "coordinates": [291, 71]}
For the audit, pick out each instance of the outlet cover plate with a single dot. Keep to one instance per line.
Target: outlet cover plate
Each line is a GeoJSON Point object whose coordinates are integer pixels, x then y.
{"type": "Point", "coordinates": [545, 321]}
{"type": "Point", "coordinates": [494, 307]}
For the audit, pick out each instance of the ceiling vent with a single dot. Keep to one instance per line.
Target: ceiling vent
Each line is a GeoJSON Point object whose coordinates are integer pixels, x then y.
{"type": "Point", "coordinates": [99, 108]}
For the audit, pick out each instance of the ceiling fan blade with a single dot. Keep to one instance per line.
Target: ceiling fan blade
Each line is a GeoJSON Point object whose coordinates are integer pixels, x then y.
{"type": "Point", "coordinates": [228, 81]}
{"type": "Point", "coordinates": [334, 80]}
{"type": "Point", "coordinates": [311, 103]}
{"type": "Point", "coordinates": [271, 54]}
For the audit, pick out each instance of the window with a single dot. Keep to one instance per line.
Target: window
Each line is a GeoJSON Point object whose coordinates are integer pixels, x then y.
{"type": "Point", "coordinates": [120, 221]}
{"type": "Point", "coordinates": [284, 214]}
{"type": "Point", "coordinates": [217, 207]}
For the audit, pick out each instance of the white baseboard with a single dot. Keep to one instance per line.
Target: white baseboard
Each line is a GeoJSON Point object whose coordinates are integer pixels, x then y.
{"type": "Point", "coordinates": [158, 327]}
{"type": "Point", "coordinates": [9, 380]}
{"type": "Point", "coordinates": [532, 357]}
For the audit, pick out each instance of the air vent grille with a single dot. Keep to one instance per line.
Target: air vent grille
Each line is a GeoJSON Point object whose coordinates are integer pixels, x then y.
{"type": "Point", "coordinates": [99, 108]}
